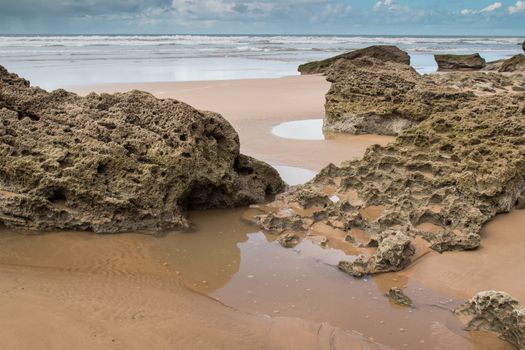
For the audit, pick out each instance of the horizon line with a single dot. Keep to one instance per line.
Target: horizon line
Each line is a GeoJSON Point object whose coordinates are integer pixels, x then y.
{"type": "Point", "coordinates": [261, 34]}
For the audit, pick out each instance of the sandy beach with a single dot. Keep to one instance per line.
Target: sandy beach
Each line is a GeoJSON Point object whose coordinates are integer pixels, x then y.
{"type": "Point", "coordinates": [254, 106]}
{"type": "Point", "coordinates": [115, 294]}
{"type": "Point", "coordinates": [131, 291]}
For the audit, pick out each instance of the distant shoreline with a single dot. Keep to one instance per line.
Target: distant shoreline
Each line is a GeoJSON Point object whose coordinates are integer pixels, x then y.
{"type": "Point", "coordinates": [267, 35]}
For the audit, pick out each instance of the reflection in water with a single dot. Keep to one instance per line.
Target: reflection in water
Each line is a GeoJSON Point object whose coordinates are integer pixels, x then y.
{"type": "Point", "coordinates": [230, 260]}
{"type": "Point", "coordinates": [295, 176]}
{"type": "Point", "coordinates": [207, 258]}
{"type": "Point", "coordinates": [311, 129]}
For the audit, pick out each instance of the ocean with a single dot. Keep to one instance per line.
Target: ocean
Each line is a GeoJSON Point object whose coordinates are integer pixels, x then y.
{"type": "Point", "coordinates": [70, 60]}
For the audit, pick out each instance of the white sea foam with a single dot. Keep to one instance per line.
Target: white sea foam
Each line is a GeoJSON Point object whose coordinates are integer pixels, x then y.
{"type": "Point", "coordinates": [110, 58]}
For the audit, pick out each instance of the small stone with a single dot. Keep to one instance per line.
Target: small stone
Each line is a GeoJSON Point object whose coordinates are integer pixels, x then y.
{"type": "Point", "coordinates": [289, 240]}
{"type": "Point", "coordinates": [396, 295]}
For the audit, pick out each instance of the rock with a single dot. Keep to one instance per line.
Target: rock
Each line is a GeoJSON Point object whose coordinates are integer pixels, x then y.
{"type": "Point", "coordinates": [523, 45]}
{"type": "Point", "coordinates": [289, 240]}
{"type": "Point", "coordinates": [458, 166]}
{"type": "Point", "coordinates": [112, 163]}
{"type": "Point", "coordinates": [513, 64]}
{"type": "Point", "coordinates": [397, 296]}
{"type": "Point", "coordinates": [496, 312]}
{"type": "Point", "coordinates": [383, 53]}
{"type": "Point", "coordinates": [369, 96]}
{"type": "Point", "coordinates": [392, 254]}
{"type": "Point", "coordinates": [459, 62]}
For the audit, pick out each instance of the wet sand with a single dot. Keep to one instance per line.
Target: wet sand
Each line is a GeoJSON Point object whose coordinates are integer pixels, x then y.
{"type": "Point", "coordinates": [497, 265]}
{"type": "Point", "coordinates": [76, 290]}
{"type": "Point", "coordinates": [136, 291]}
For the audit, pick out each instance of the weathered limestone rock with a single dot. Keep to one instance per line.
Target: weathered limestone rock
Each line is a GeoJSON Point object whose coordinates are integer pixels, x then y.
{"type": "Point", "coordinates": [369, 96]}
{"type": "Point", "coordinates": [515, 64]}
{"type": "Point", "coordinates": [111, 163]}
{"type": "Point", "coordinates": [383, 53]}
{"type": "Point", "coordinates": [497, 312]}
{"type": "Point", "coordinates": [459, 62]}
{"type": "Point", "coordinates": [397, 296]}
{"type": "Point", "coordinates": [392, 254]}
{"type": "Point", "coordinates": [462, 163]}
{"type": "Point", "coordinates": [375, 91]}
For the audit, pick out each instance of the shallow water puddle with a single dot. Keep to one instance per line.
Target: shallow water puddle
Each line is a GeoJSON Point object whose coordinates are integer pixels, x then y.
{"type": "Point", "coordinates": [230, 260]}
{"type": "Point", "coordinates": [293, 175]}
{"type": "Point", "coordinates": [311, 129]}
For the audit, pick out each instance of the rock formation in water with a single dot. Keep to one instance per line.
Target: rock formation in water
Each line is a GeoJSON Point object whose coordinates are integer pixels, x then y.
{"type": "Point", "coordinates": [460, 62]}
{"type": "Point", "coordinates": [397, 296]}
{"type": "Point", "coordinates": [523, 45]}
{"type": "Point", "coordinates": [393, 253]}
{"type": "Point", "coordinates": [111, 163]}
{"type": "Point", "coordinates": [462, 163]}
{"type": "Point", "coordinates": [496, 312]}
{"type": "Point", "coordinates": [383, 53]}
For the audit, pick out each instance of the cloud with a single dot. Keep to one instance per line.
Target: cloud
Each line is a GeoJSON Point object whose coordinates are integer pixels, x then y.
{"type": "Point", "coordinates": [276, 16]}
{"type": "Point", "coordinates": [519, 7]}
{"type": "Point", "coordinates": [389, 5]}
{"type": "Point", "coordinates": [487, 10]}
{"type": "Point", "coordinates": [492, 7]}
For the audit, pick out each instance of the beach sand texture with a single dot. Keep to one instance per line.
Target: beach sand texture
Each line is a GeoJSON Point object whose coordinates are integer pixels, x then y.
{"type": "Point", "coordinates": [111, 292]}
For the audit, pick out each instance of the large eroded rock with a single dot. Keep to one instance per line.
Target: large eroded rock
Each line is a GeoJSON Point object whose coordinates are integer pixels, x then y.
{"type": "Point", "coordinates": [460, 62]}
{"type": "Point", "coordinates": [462, 163]}
{"type": "Point", "coordinates": [110, 163]}
{"type": "Point", "coordinates": [369, 96]}
{"type": "Point", "coordinates": [496, 312]}
{"type": "Point", "coordinates": [383, 53]}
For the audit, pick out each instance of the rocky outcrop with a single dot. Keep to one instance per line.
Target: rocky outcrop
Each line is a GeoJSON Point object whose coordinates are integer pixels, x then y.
{"type": "Point", "coordinates": [515, 64]}
{"type": "Point", "coordinates": [393, 254]}
{"type": "Point", "coordinates": [523, 45]}
{"type": "Point", "coordinates": [369, 96]}
{"type": "Point", "coordinates": [111, 163]}
{"type": "Point", "coordinates": [460, 62]}
{"type": "Point", "coordinates": [383, 53]}
{"type": "Point", "coordinates": [496, 312]}
{"type": "Point", "coordinates": [462, 163]}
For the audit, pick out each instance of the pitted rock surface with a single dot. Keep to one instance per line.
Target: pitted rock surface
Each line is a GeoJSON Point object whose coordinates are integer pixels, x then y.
{"type": "Point", "coordinates": [368, 96]}
{"type": "Point", "coordinates": [497, 312]}
{"type": "Point", "coordinates": [111, 163]}
{"type": "Point", "coordinates": [438, 183]}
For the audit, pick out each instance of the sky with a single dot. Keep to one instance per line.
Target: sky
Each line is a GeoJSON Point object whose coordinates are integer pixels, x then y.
{"type": "Point", "coordinates": [359, 17]}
